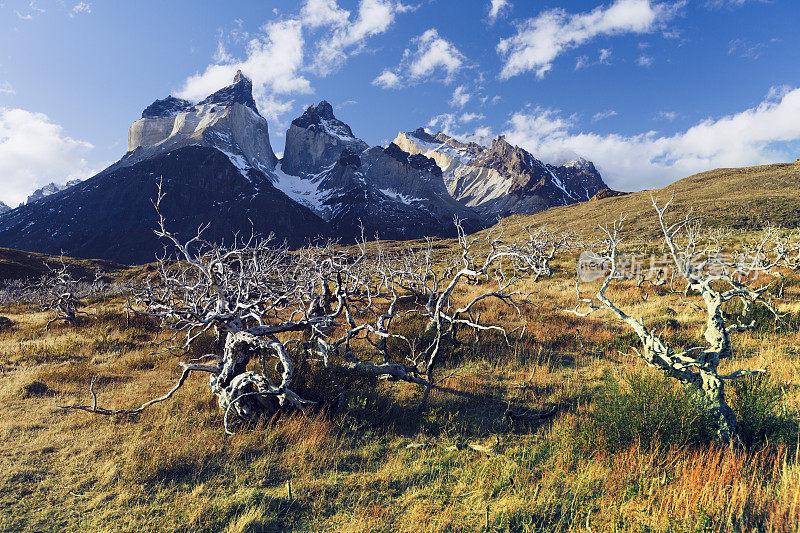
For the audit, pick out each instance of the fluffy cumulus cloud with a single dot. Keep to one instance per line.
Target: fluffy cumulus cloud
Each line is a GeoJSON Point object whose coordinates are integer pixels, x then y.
{"type": "Point", "coordinates": [33, 152]}
{"type": "Point", "coordinates": [460, 97]}
{"type": "Point", "coordinates": [430, 57]}
{"type": "Point", "coordinates": [349, 34]}
{"type": "Point", "coordinates": [388, 80]}
{"type": "Point", "coordinates": [434, 54]}
{"type": "Point", "coordinates": [317, 13]}
{"type": "Point", "coordinates": [538, 41]}
{"type": "Point", "coordinates": [279, 56]}
{"type": "Point", "coordinates": [766, 133]}
{"type": "Point", "coordinates": [273, 61]}
{"type": "Point", "coordinates": [498, 8]}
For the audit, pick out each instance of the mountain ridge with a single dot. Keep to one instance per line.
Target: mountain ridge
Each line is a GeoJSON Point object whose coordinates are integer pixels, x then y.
{"type": "Point", "coordinates": [328, 184]}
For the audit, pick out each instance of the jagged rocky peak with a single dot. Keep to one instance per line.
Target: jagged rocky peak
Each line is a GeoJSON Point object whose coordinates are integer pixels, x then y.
{"type": "Point", "coordinates": [449, 153]}
{"type": "Point", "coordinates": [507, 152]}
{"type": "Point", "coordinates": [49, 189]}
{"type": "Point", "coordinates": [227, 120]}
{"type": "Point", "coordinates": [421, 134]}
{"type": "Point", "coordinates": [240, 92]}
{"type": "Point", "coordinates": [316, 139]}
{"type": "Point", "coordinates": [4, 208]}
{"type": "Point", "coordinates": [418, 161]}
{"type": "Point", "coordinates": [514, 162]}
{"type": "Point", "coordinates": [167, 107]}
{"type": "Point", "coordinates": [579, 163]}
{"type": "Point", "coordinates": [320, 117]}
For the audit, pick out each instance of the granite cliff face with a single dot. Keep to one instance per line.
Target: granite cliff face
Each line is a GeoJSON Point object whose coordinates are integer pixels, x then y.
{"type": "Point", "coordinates": [316, 139]}
{"type": "Point", "coordinates": [227, 120]}
{"type": "Point", "coordinates": [502, 179]}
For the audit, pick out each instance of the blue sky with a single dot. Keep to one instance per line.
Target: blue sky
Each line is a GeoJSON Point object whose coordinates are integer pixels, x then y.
{"type": "Point", "coordinates": [650, 90]}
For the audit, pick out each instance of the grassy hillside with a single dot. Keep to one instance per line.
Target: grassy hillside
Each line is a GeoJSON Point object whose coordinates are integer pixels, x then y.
{"type": "Point", "coordinates": [16, 264]}
{"type": "Point", "coordinates": [624, 452]}
{"type": "Point", "coordinates": [741, 198]}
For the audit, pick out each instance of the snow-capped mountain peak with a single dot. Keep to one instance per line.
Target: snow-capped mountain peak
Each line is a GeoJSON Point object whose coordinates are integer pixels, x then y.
{"type": "Point", "coordinates": [49, 189]}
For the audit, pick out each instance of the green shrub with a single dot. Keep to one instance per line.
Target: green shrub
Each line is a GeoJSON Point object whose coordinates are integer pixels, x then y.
{"type": "Point", "coordinates": [763, 319]}
{"type": "Point", "coordinates": [624, 342]}
{"type": "Point", "coordinates": [667, 311]}
{"type": "Point", "coordinates": [644, 408]}
{"type": "Point", "coordinates": [758, 401]}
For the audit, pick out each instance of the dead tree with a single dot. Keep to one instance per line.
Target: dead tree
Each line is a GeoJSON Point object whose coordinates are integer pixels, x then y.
{"type": "Point", "coordinates": [335, 307]}
{"type": "Point", "coordinates": [59, 292]}
{"type": "Point", "coordinates": [718, 277]}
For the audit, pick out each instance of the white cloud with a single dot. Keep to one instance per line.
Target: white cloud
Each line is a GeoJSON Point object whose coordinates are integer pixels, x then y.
{"type": "Point", "coordinates": [766, 133]}
{"type": "Point", "coordinates": [316, 13]}
{"type": "Point", "coordinates": [460, 97]}
{"type": "Point", "coordinates": [34, 11]}
{"type": "Point", "coordinates": [746, 49]}
{"type": "Point", "coordinates": [603, 58]}
{"type": "Point", "coordinates": [275, 56]}
{"type": "Point", "coordinates": [602, 115]}
{"type": "Point", "coordinates": [430, 55]}
{"type": "Point", "coordinates": [498, 8]}
{"type": "Point", "coordinates": [540, 40]}
{"type": "Point", "coordinates": [644, 61]}
{"type": "Point", "coordinates": [454, 126]}
{"type": "Point", "coordinates": [222, 55]}
{"type": "Point", "coordinates": [273, 62]}
{"type": "Point", "coordinates": [33, 152]}
{"type": "Point", "coordinates": [6, 88]}
{"type": "Point", "coordinates": [669, 116]}
{"type": "Point", "coordinates": [469, 117]}
{"type": "Point", "coordinates": [81, 8]}
{"type": "Point", "coordinates": [711, 4]}
{"type": "Point", "coordinates": [778, 92]}
{"type": "Point", "coordinates": [434, 53]}
{"type": "Point", "coordinates": [349, 36]}
{"type": "Point", "coordinates": [387, 80]}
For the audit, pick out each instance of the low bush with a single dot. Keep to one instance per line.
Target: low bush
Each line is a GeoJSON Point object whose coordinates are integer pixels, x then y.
{"type": "Point", "coordinates": [758, 401]}
{"type": "Point", "coordinates": [643, 408]}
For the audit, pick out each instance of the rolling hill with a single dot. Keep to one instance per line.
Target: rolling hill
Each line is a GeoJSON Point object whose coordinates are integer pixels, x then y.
{"type": "Point", "coordinates": [741, 198]}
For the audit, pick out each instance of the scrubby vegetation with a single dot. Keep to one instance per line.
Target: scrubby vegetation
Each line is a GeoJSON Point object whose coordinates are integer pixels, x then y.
{"type": "Point", "coordinates": [627, 448]}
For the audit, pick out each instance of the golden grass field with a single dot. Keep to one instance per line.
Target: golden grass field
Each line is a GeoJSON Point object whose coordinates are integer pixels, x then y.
{"type": "Point", "coordinates": [625, 451]}
{"type": "Point", "coordinates": [379, 467]}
